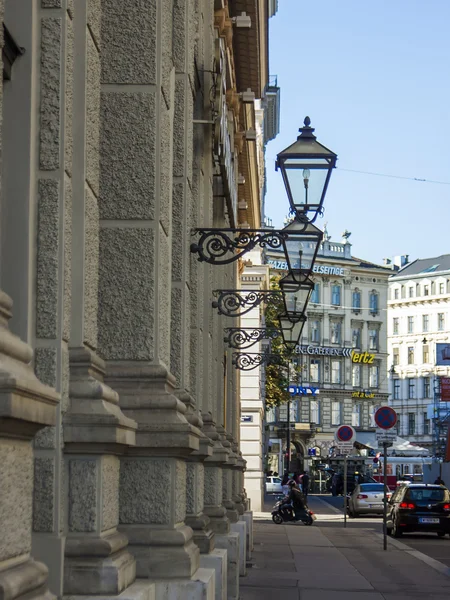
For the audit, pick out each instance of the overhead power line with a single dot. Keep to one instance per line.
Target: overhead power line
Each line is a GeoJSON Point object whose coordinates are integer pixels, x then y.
{"type": "Point", "coordinates": [419, 179]}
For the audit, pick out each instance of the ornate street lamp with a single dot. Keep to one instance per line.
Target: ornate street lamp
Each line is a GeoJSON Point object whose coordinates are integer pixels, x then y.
{"type": "Point", "coordinates": [291, 327]}
{"type": "Point", "coordinates": [241, 338]}
{"type": "Point", "coordinates": [247, 361]}
{"type": "Point", "coordinates": [306, 168]}
{"type": "Point", "coordinates": [235, 303]}
{"type": "Point", "coordinates": [301, 244]}
{"type": "Point", "coordinates": [296, 296]}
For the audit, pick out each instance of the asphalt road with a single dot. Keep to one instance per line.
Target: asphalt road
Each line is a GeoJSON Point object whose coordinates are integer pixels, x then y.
{"type": "Point", "coordinates": [427, 543]}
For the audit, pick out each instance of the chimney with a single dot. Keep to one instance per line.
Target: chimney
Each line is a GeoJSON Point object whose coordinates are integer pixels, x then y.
{"type": "Point", "coordinates": [387, 261]}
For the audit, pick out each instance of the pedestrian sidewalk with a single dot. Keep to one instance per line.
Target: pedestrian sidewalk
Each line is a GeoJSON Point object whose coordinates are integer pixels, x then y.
{"type": "Point", "coordinates": [296, 562]}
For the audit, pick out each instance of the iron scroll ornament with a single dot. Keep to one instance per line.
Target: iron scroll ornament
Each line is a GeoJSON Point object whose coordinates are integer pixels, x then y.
{"type": "Point", "coordinates": [224, 246]}
{"type": "Point", "coordinates": [235, 303]}
{"type": "Point", "coordinates": [248, 361]}
{"type": "Point", "coordinates": [241, 338]}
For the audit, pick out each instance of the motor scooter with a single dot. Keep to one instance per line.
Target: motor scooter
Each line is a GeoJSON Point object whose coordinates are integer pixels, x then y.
{"type": "Point", "coordinates": [283, 512]}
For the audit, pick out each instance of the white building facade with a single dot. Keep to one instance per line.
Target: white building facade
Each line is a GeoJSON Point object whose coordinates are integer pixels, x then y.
{"type": "Point", "coordinates": [418, 321]}
{"type": "Point", "coordinates": [342, 356]}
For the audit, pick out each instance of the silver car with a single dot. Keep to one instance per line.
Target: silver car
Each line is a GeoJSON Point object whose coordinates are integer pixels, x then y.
{"type": "Point", "coordinates": [273, 485]}
{"type": "Point", "coordinates": [367, 498]}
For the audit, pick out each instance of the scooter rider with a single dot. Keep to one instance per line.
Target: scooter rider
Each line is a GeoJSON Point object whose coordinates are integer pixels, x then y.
{"type": "Point", "coordinates": [298, 501]}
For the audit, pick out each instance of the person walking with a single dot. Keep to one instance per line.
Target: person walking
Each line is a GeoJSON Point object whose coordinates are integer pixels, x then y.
{"type": "Point", "coordinates": [284, 483]}
{"type": "Point", "coordinates": [305, 484]}
{"type": "Point", "coordinates": [439, 481]}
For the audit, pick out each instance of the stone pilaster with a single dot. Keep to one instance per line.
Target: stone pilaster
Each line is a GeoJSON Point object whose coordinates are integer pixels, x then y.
{"type": "Point", "coordinates": [26, 405]}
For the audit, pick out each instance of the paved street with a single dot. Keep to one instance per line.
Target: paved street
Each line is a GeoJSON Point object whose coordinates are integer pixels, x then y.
{"type": "Point", "coordinates": [428, 543]}
{"type": "Point", "coordinates": [328, 562]}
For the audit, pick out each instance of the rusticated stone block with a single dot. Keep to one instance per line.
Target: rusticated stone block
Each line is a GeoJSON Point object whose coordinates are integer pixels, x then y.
{"type": "Point", "coordinates": [143, 491]}
{"type": "Point", "coordinates": [93, 116]}
{"type": "Point", "coordinates": [127, 146]}
{"type": "Point", "coordinates": [165, 169]}
{"type": "Point", "coordinates": [82, 495]}
{"type": "Point", "coordinates": [91, 262]}
{"type": "Point", "coordinates": [16, 477]}
{"type": "Point", "coordinates": [47, 259]}
{"type": "Point", "coordinates": [94, 19]}
{"type": "Point", "coordinates": [68, 98]}
{"type": "Point", "coordinates": [178, 232]}
{"type": "Point", "coordinates": [51, 39]}
{"type": "Point", "coordinates": [43, 496]}
{"type": "Point", "coordinates": [128, 30]}
{"type": "Point", "coordinates": [45, 365]}
{"type": "Point", "coordinates": [67, 303]}
{"type": "Point", "coordinates": [45, 438]}
{"type": "Point", "coordinates": [164, 312]}
{"type": "Point", "coordinates": [176, 334]}
{"type": "Point", "coordinates": [110, 492]}
{"type": "Point", "coordinates": [180, 486]}
{"type": "Point", "coordinates": [51, 3]}
{"type": "Point", "coordinates": [126, 294]}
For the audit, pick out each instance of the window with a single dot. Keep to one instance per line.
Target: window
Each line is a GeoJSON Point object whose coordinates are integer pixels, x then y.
{"type": "Point", "coordinates": [373, 339]}
{"type": "Point", "coordinates": [315, 331]}
{"type": "Point", "coordinates": [441, 321]}
{"type": "Point", "coordinates": [426, 387]}
{"type": "Point", "coordinates": [426, 424]}
{"type": "Point", "coordinates": [411, 355]}
{"type": "Point", "coordinates": [410, 324]}
{"type": "Point", "coordinates": [426, 290]}
{"type": "Point", "coordinates": [396, 389]}
{"type": "Point", "coordinates": [356, 376]}
{"type": "Point", "coordinates": [403, 292]}
{"type": "Point", "coordinates": [396, 294]}
{"type": "Point", "coordinates": [373, 303]}
{"type": "Point", "coordinates": [283, 414]}
{"type": "Point", "coordinates": [356, 300]}
{"type": "Point", "coordinates": [356, 337]}
{"type": "Point", "coordinates": [335, 371]}
{"type": "Point", "coordinates": [398, 428]}
{"type": "Point", "coordinates": [335, 332]}
{"type": "Point", "coordinates": [314, 370]}
{"type": "Point", "coordinates": [411, 384]}
{"type": "Point", "coordinates": [432, 289]}
{"type": "Point", "coordinates": [425, 321]}
{"type": "Point", "coordinates": [315, 296]}
{"type": "Point", "coordinates": [315, 411]}
{"type": "Point", "coordinates": [372, 410]}
{"type": "Point", "coordinates": [395, 325]}
{"type": "Point", "coordinates": [336, 295]}
{"type": "Point", "coordinates": [411, 424]}
{"type": "Point", "coordinates": [411, 292]}
{"type": "Point", "coordinates": [417, 289]}
{"type": "Point", "coordinates": [426, 354]}
{"type": "Point", "coordinates": [441, 288]}
{"type": "Point", "coordinates": [396, 356]}
{"type": "Point", "coordinates": [335, 413]}
{"type": "Point", "coordinates": [373, 376]}
{"type": "Point", "coordinates": [356, 415]}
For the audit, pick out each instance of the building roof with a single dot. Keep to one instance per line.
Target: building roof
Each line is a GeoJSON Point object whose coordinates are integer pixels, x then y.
{"type": "Point", "coordinates": [424, 266]}
{"type": "Point", "coordinates": [365, 264]}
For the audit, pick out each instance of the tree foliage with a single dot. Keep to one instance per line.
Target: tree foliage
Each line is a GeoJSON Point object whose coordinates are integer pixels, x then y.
{"type": "Point", "coordinates": [277, 377]}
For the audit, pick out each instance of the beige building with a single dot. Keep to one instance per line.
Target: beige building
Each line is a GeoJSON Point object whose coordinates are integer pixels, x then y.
{"type": "Point", "coordinates": [125, 124]}
{"type": "Point", "coordinates": [341, 375]}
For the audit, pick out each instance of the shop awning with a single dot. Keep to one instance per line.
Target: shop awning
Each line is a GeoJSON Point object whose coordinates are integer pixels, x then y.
{"type": "Point", "coordinates": [368, 439]}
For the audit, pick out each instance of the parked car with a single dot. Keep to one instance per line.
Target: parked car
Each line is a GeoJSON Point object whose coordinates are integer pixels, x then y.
{"type": "Point", "coordinates": [273, 485]}
{"type": "Point", "coordinates": [419, 507]}
{"type": "Point", "coordinates": [367, 498]}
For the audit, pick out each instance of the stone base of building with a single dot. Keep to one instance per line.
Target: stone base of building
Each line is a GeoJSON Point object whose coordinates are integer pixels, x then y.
{"type": "Point", "coordinates": [25, 580]}
{"type": "Point", "coordinates": [201, 586]}
{"type": "Point", "coordinates": [241, 528]}
{"type": "Point", "coordinates": [217, 560]}
{"type": "Point", "coordinates": [248, 518]}
{"type": "Point", "coordinates": [141, 589]}
{"type": "Point", "coordinates": [254, 486]}
{"type": "Point", "coordinates": [230, 543]}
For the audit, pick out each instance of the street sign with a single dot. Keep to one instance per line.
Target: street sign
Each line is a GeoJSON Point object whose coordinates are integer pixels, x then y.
{"type": "Point", "coordinates": [345, 448]}
{"type": "Point", "coordinates": [385, 417]}
{"type": "Point", "coordinates": [386, 437]}
{"type": "Point", "coordinates": [345, 435]}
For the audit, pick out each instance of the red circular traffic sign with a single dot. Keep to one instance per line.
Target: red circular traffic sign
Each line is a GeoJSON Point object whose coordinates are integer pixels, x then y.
{"type": "Point", "coordinates": [345, 434]}
{"type": "Point", "coordinates": [385, 417]}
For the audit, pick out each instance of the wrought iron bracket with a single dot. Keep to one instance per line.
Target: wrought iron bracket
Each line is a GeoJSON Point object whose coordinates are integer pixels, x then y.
{"type": "Point", "coordinates": [252, 360]}
{"type": "Point", "coordinates": [224, 246]}
{"type": "Point", "coordinates": [235, 303]}
{"type": "Point", "coordinates": [241, 338]}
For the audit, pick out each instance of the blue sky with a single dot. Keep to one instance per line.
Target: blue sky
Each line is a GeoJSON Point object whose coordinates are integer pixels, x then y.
{"type": "Point", "coordinates": [374, 77]}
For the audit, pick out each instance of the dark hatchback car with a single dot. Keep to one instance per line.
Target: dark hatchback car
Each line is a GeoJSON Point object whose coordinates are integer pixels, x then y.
{"type": "Point", "coordinates": [419, 507]}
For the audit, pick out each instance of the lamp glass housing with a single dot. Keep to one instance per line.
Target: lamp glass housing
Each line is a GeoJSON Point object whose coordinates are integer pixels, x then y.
{"type": "Point", "coordinates": [306, 168]}
{"type": "Point", "coordinates": [296, 296]}
{"type": "Point", "coordinates": [301, 246]}
{"type": "Point", "coordinates": [291, 329]}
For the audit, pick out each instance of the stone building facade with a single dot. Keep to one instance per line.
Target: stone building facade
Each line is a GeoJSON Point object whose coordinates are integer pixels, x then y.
{"type": "Point", "coordinates": [125, 125]}
{"type": "Point", "coordinates": [418, 327]}
{"type": "Point", "coordinates": [341, 374]}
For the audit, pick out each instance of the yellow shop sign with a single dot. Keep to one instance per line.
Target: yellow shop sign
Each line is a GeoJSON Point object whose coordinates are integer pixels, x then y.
{"type": "Point", "coordinates": [363, 395]}
{"type": "Point", "coordinates": [362, 357]}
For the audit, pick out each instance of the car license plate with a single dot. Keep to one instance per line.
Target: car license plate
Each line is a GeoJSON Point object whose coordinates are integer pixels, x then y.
{"type": "Point", "coordinates": [375, 505]}
{"type": "Point", "coordinates": [428, 520]}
